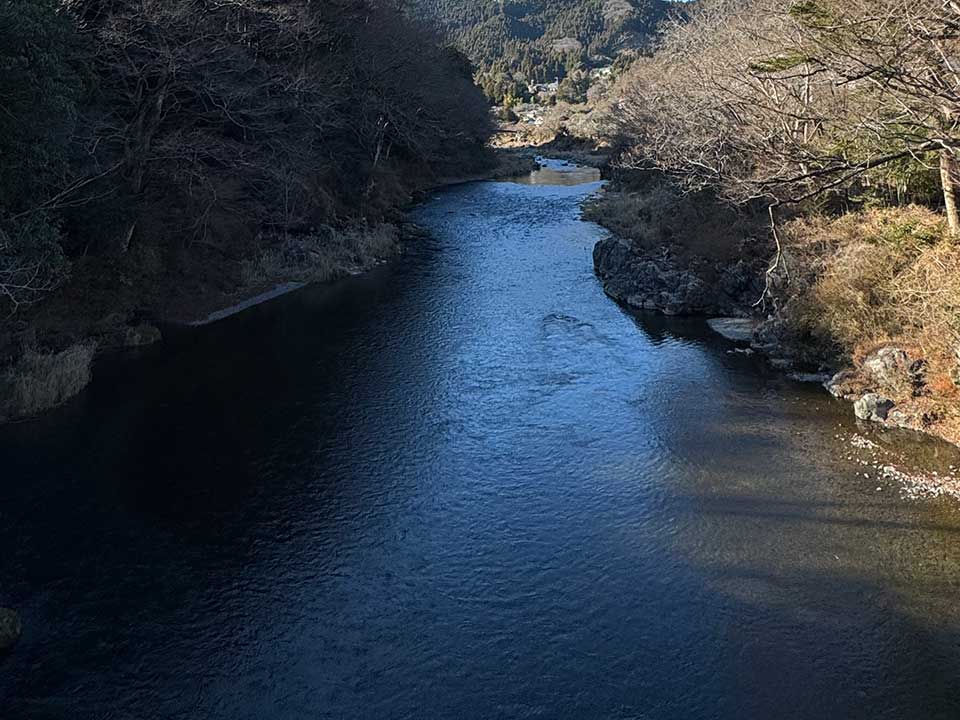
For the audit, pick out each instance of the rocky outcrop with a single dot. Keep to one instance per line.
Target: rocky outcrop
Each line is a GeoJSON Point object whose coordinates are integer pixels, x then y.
{"type": "Point", "coordinates": [846, 385]}
{"type": "Point", "coordinates": [10, 629]}
{"type": "Point", "coordinates": [659, 281]}
{"type": "Point", "coordinates": [889, 386]}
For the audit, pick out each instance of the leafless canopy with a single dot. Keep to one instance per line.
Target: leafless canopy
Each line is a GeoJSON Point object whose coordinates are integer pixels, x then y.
{"type": "Point", "coordinates": [783, 100]}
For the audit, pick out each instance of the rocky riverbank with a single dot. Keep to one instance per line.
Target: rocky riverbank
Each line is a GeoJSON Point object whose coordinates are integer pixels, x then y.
{"type": "Point", "coordinates": [651, 262]}
{"type": "Point", "coordinates": [659, 280]}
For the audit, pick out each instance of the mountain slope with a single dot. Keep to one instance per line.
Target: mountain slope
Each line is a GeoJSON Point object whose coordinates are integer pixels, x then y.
{"type": "Point", "coordinates": [536, 41]}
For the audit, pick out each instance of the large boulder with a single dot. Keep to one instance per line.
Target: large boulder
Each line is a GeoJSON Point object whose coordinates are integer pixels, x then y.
{"type": "Point", "coordinates": [611, 256]}
{"type": "Point", "coordinates": [873, 407]}
{"type": "Point", "coordinates": [10, 629]}
{"type": "Point", "coordinates": [891, 370]}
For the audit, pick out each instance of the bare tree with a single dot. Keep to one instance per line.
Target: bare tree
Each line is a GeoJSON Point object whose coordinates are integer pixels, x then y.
{"type": "Point", "coordinates": [786, 100]}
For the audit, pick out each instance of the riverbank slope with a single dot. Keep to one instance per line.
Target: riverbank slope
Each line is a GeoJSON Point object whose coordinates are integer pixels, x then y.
{"type": "Point", "coordinates": [867, 301]}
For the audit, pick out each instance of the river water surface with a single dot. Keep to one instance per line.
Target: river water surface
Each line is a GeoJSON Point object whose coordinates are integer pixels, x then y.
{"type": "Point", "coordinates": [468, 485]}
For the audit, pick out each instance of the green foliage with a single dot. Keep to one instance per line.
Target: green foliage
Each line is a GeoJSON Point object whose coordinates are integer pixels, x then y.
{"type": "Point", "coordinates": [513, 42]}
{"type": "Point", "coordinates": [781, 63]}
{"type": "Point", "coordinates": [811, 13]}
{"type": "Point", "coordinates": [574, 88]}
{"type": "Point", "coordinates": [911, 179]}
{"type": "Point", "coordinates": [906, 232]}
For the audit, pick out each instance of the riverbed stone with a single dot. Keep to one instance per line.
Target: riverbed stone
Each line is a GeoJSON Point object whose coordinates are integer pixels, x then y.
{"type": "Point", "coordinates": [873, 406]}
{"type": "Point", "coordinates": [10, 629]}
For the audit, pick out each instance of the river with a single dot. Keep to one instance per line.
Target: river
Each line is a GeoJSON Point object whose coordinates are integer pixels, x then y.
{"type": "Point", "coordinates": [468, 485]}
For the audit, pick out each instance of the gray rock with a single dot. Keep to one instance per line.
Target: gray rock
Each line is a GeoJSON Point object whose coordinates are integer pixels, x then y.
{"type": "Point", "coordinates": [610, 256]}
{"type": "Point", "coordinates": [736, 329]}
{"type": "Point", "coordinates": [656, 279]}
{"type": "Point", "coordinates": [693, 294]}
{"type": "Point", "coordinates": [636, 300]}
{"type": "Point", "coordinates": [873, 407]}
{"type": "Point", "coordinates": [10, 629]}
{"type": "Point", "coordinates": [890, 369]}
{"type": "Point", "coordinates": [735, 280]}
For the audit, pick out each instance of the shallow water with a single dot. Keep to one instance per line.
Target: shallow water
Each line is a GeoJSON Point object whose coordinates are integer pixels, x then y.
{"type": "Point", "coordinates": [468, 485]}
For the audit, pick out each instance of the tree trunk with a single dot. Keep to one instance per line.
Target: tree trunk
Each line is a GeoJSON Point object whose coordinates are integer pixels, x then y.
{"type": "Point", "coordinates": [948, 178]}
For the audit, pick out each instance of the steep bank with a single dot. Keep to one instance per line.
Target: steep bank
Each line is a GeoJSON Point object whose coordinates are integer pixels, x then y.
{"type": "Point", "coordinates": [874, 297]}
{"type": "Point", "coordinates": [794, 112]}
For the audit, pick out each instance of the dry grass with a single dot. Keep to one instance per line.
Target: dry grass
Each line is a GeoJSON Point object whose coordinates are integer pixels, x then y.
{"type": "Point", "coordinates": [692, 225]}
{"type": "Point", "coordinates": [39, 381]}
{"type": "Point", "coordinates": [878, 278]}
{"type": "Point", "coordinates": [886, 276]}
{"type": "Point", "coordinates": [321, 256]}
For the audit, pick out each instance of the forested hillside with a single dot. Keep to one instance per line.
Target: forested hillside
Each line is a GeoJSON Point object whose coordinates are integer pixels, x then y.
{"type": "Point", "coordinates": [515, 43]}
{"type": "Point", "coordinates": [156, 152]}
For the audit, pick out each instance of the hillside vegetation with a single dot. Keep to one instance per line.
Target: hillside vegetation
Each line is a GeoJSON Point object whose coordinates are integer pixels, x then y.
{"type": "Point", "coordinates": [838, 123]}
{"type": "Point", "coordinates": [157, 153]}
{"type": "Point", "coordinates": [519, 43]}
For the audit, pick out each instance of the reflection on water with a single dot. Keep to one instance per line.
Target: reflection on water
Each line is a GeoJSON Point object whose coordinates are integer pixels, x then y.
{"type": "Point", "coordinates": [559, 172]}
{"type": "Point", "coordinates": [467, 486]}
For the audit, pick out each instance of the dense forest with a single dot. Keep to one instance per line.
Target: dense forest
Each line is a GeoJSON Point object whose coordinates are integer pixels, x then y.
{"type": "Point", "coordinates": [516, 43]}
{"type": "Point", "coordinates": [156, 152]}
